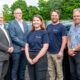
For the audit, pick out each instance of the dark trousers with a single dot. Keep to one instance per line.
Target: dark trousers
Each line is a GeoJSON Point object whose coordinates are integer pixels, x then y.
{"type": "Point", "coordinates": [3, 69]}
{"type": "Point", "coordinates": [75, 66]}
{"type": "Point", "coordinates": [18, 66]}
{"type": "Point", "coordinates": [38, 71]}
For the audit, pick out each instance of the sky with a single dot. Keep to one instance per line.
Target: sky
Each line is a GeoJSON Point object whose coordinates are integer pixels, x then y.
{"type": "Point", "coordinates": [10, 2]}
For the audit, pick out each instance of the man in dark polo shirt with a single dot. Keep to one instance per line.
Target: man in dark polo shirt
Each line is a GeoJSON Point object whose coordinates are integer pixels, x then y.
{"type": "Point", "coordinates": [57, 37]}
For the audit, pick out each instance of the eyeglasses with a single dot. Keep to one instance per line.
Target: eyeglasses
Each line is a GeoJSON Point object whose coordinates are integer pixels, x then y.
{"type": "Point", "coordinates": [1, 17]}
{"type": "Point", "coordinates": [76, 16]}
{"type": "Point", "coordinates": [54, 15]}
{"type": "Point", "coordinates": [18, 13]}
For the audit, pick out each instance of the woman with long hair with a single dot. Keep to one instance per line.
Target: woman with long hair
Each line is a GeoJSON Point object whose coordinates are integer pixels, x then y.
{"type": "Point", "coordinates": [36, 48]}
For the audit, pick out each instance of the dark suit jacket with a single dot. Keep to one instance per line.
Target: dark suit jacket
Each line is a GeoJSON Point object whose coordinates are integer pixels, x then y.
{"type": "Point", "coordinates": [18, 37]}
{"type": "Point", "coordinates": [4, 46]}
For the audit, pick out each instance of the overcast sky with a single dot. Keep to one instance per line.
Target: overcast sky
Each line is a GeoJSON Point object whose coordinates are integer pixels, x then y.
{"type": "Point", "coordinates": [10, 2]}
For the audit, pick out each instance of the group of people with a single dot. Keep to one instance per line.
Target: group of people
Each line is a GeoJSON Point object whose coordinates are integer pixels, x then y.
{"type": "Point", "coordinates": [43, 47]}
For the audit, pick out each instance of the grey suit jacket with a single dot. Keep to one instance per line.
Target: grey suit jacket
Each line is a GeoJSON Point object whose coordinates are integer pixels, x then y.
{"type": "Point", "coordinates": [4, 46]}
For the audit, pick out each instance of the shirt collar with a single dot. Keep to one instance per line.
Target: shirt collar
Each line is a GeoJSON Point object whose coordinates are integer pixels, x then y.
{"type": "Point", "coordinates": [2, 26]}
{"type": "Point", "coordinates": [19, 21]}
{"type": "Point", "coordinates": [74, 25]}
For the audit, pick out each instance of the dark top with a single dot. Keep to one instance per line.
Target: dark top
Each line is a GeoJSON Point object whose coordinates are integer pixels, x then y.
{"type": "Point", "coordinates": [36, 39]}
{"type": "Point", "coordinates": [55, 33]}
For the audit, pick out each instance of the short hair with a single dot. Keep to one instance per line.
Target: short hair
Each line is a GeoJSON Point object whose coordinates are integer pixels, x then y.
{"type": "Point", "coordinates": [17, 9]}
{"type": "Point", "coordinates": [57, 11]}
{"type": "Point", "coordinates": [77, 9]}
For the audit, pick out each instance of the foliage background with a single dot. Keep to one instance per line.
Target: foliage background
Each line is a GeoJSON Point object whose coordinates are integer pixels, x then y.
{"type": "Point", "coordinates": [44, 8]}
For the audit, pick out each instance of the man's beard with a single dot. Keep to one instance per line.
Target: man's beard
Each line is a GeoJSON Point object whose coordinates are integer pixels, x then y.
{"type": "Point", "coordinates": [55, 21]}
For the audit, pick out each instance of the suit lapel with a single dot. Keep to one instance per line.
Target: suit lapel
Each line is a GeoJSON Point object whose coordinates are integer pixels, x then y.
{"type": "Point", "coordinates": [8, 35]}
{"type": "Point", "coordinates": [3, 34]}
{"type": "Point", "coordinates": [24, 27]}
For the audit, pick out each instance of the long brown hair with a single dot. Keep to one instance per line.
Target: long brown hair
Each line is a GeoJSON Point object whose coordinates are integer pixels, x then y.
{"type": "Point", "coordinates": [42, 25]}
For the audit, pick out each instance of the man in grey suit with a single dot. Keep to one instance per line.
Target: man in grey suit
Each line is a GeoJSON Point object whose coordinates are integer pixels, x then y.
{"type": "Point", "coordinates": [18, 30]}
{"type": "Point", "coordinates": [5, 49]}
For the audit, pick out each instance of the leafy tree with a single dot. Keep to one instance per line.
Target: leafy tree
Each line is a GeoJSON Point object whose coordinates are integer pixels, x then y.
{"type": "Point", "coordinates": [6, 13]}
{"type": "Point", "coordinates": [55, 4]}
{"type": "Point", "coordinates": [44, 9]}
{"type": "Point", "coordinates": [20, 4]}
{"type": "Point", "coordinates": [32, 10]}
{"type": "Point", "coordinates": [28, 12]}
{"type": "Point", "coordinates": [68, 7]}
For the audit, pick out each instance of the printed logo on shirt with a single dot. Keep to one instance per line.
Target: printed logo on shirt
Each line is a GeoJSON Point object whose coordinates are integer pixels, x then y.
{"type": "Point", "coordinates": [38, 36]}
{"type": "Point", "coordinates": [55, 30]}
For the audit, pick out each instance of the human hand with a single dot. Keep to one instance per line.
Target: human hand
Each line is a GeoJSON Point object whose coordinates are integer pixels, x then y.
{"type": "Point", "coordinates": [60, 54]}
{"type": "Point", "coordinates": [35, 60]}
{"type": "Point", "coordinates": [22, 49]}
{"type": "Point", "coordinates": [10, 50]}
{"type": "Point", "coordinates": [30, 61]}
{"type": "Point", "coordinates": [71, 52]}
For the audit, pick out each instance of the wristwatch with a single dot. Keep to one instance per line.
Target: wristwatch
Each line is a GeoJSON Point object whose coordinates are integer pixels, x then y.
{"type": "Point", "coordinates": [73, 49]}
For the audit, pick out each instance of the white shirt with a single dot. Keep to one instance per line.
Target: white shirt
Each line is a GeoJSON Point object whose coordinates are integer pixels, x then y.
{"type": "Point", "coordinates": [2, 28]}
{"type": "Point", "coordinates": [21, 25]}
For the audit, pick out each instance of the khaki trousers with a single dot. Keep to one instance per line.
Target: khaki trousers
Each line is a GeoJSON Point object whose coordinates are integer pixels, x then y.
{"type": "Point", "coordinates": [55, 67]}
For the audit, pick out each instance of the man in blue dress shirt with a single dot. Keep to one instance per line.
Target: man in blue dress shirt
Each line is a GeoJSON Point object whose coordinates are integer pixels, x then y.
{"type": "Point", "coordinates": [74, 46]}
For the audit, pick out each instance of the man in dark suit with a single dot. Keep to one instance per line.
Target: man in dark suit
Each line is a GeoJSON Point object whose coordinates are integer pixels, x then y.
{"type": "Point", "coordinates": [18, 30]}
{"type": "Point", "coordinates": [5, 49]}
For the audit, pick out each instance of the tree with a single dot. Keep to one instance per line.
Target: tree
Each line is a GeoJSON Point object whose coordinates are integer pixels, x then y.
{"type": "Point", "coordinates": [6, 13]}
{"type": "Point", "coordinates": [55, 4]}
{"type": "Point", "coordinates": [32, 10]}
{"type": "Point", "coordinates": [68, 7]}
{"type": "Point", "coordinates": [20, 4]}
{"type": "Point", "coordinates": [44, 9]}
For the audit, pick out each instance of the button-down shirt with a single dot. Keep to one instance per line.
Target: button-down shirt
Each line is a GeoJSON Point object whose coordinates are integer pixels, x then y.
{"type": "Point", "coordinates": [21, 25]}
{"type": "Point", "coordinates": [75, 36]}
